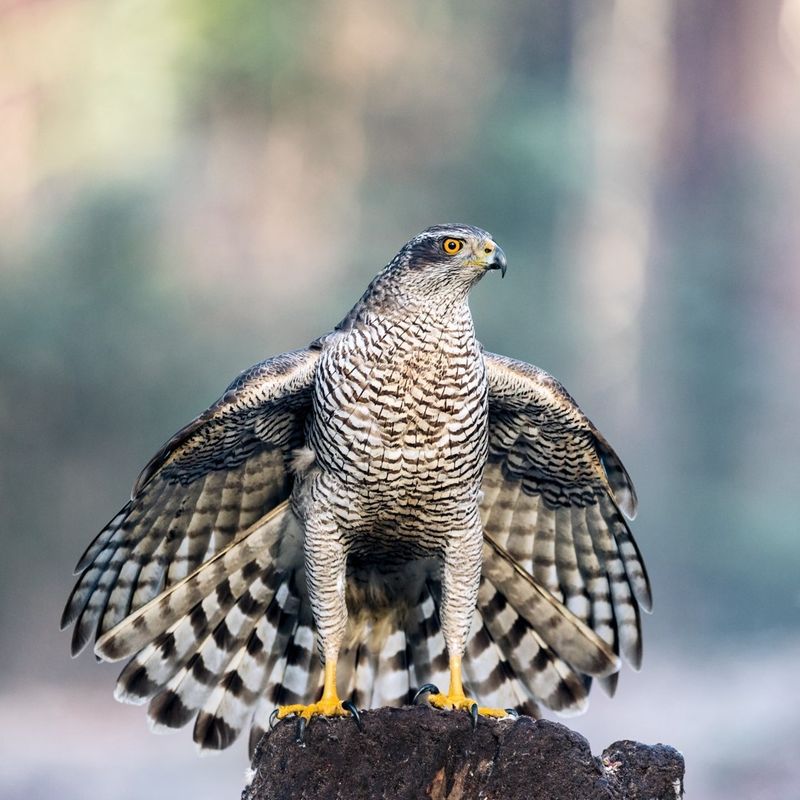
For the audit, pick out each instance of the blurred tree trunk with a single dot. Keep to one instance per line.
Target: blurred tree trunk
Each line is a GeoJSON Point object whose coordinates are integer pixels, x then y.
{"type": "Point", "coordinates": [711, 196]}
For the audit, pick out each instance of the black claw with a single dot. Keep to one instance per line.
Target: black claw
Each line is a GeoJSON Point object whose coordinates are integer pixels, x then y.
{"type": "Point", "coordinates": [272, 717]}
{"type": "Point", "coordinates": [427, 688]}
{"type": "Point", "coordinates": [349, 705]}
{"type": "Point", "coordinates": [301, 731]}
{"type": "Point", "coordinates": [512, 712]}
{"type": "Point", "coordinates": [473, 712]}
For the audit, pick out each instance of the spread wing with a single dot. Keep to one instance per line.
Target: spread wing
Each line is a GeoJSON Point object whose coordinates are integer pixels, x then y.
{"type": "Point", "coordinates": [554, 493]}
{"type": "Point", "coordinates": [203, 489]}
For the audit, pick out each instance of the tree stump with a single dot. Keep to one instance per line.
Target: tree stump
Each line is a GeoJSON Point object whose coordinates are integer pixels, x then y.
{"type": "Point", "coordinates": [419, 752]}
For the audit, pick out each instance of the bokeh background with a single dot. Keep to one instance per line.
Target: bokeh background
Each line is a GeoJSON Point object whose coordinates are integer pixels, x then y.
{"type": "Point", "coordinates": [189, 187]}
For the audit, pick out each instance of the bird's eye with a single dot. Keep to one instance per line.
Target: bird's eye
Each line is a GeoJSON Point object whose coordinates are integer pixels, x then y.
{"type": "Point", "coordinates": [452, 246]}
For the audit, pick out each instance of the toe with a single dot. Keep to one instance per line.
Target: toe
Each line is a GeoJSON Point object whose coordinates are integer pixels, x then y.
{"type": "Point", "coordinates": [462, 703]}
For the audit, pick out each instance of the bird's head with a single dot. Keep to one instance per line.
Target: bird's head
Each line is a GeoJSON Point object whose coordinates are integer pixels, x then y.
{"type": "Point", "coordinates": [439, 266]}
{"type": "Point", "coordinates": [448, 258]}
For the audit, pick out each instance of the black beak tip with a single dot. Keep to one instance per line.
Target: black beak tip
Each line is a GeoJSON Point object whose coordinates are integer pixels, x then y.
{"type": "Point", "coordinates": [499, 261]}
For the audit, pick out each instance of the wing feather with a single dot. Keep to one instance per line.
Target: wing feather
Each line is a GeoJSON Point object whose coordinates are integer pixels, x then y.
{"type": "Point", "coordinates": [559, 628]}
{"type": "Point", "coordinates": [554, 497]}
{"type": "Point", "coordinates": [209, 483]}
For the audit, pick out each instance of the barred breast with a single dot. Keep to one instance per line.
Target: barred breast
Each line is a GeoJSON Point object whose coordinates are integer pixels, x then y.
{"type": "Point", "coordinates": [400, 412]}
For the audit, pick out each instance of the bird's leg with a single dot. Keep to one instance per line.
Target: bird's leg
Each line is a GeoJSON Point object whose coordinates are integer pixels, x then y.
{"type": "Point", "coordinates": [329, 705]}
{"type": "Point", "coordinates": [461, 573]}
{"type": "Point", "coordinates": [456, 700]}
{"type": "Point", "coordinates": [325, 564]}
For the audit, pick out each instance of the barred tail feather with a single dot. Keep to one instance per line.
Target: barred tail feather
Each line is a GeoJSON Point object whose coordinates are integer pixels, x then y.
{"type": "Point", "coordinates": [230, 707]}
{"type": "Point", "coordinates": [506, 663]}
{"type": "Point", "coordinates": [302, 668]}
{"type": "Point", "coordinates": [391, 687]}
{"type": "Point", "coordinates": [271, 674]}
{"type": "Point", "coordinates": [426, 641]}
{"type": "Point", "coordinates": [489, 677]}
{"type": "Point", "coordinates": [235, 638]}
{"type": "Point", "coordinates": [366, 667]}
{"type": "Point", "coordinates": [189, 687]}
{"type": "Point", "coordinates": [233, 567]}
{"type": "Point", "coordinates": [346, 672]}
{"type": "Point", "coordinates": [536, 668]}
{"type": "Point", "coordinates": [222, 640]}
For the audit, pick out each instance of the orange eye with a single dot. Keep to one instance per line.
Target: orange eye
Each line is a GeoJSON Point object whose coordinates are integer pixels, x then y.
{"type": "Point", "coordinates": [452, 246]}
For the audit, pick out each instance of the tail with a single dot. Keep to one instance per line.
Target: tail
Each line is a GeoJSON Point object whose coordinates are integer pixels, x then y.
{"type": "Point", "coordinates": [226, 644]}
{"type": "Point", "coordinates": [508, 663]}
{"type": "Point", "coordinates": [235, 639]}
{"type": "Point", "coordinates": [525, 647]}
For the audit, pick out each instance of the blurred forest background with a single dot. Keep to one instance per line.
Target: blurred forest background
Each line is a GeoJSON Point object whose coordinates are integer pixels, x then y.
{"type": "Point", "coordinates": [189, 187]}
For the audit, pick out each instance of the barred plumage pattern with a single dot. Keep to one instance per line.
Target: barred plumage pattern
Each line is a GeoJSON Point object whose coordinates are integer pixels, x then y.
{"type": "Point", "coordinates": [390, 495]}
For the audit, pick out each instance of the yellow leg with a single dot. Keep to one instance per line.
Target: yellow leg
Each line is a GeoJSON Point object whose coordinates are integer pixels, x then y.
{"type": "Point", "coordinates": [456, 700]}
{"type": "Point", "coordinates": [329, 705]}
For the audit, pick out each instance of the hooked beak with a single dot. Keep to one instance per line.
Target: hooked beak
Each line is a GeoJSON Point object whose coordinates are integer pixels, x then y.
{"type": "Point", "coordinates": [498, 260]}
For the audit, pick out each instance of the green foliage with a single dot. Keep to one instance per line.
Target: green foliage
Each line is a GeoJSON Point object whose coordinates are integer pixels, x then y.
{"type": "Point", "coordinates": [244, 53]}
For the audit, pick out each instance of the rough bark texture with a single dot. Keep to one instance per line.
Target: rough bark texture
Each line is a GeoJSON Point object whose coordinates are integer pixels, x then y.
{"type": "Point", "coordinates": [422, 753]}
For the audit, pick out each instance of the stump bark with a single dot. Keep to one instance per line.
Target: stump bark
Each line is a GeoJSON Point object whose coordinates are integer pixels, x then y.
{"type": "Point", "coordinates": [419, 752]}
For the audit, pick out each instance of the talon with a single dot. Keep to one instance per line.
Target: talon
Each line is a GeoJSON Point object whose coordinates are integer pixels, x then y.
{"type": "Point", "coordinates": [301, 731]}
{"type": "Point", "coordinates": [455, 699]}
{"type": "Point", "coordinates": [460, 702]}
{"type": "Point", "coordinates": [349, 705]}
{"type": "Point", "coordinates": [512, 712]}
{"type": "Point", "coordinates": [426, 688]}
{"type": "Point", "coordinates": [328, 705]}
{"type": "Point", "coordinates": [272, 717]}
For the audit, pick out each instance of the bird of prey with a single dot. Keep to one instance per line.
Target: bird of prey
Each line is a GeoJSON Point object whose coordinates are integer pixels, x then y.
{"type": "Point", "coordinates": [428, 512]}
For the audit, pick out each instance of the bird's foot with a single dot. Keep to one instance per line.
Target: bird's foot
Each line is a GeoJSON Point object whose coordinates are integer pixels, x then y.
{"type": "Point", "coordinates": [463, 703]}
{"type": "Point", "coordinates": [460, 702]}
{"type": "Point", "coordinates": [325, 707]}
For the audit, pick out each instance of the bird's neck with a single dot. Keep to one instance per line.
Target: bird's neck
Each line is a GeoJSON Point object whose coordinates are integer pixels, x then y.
{"type": "Point", "coordinates": [441, 313]}
{"type": "Point", "coordinates": [428, 307]}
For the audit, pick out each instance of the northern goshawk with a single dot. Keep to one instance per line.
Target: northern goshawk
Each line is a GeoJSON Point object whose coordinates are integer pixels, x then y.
{"type": "Point", "coordinates": [417, 504]}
